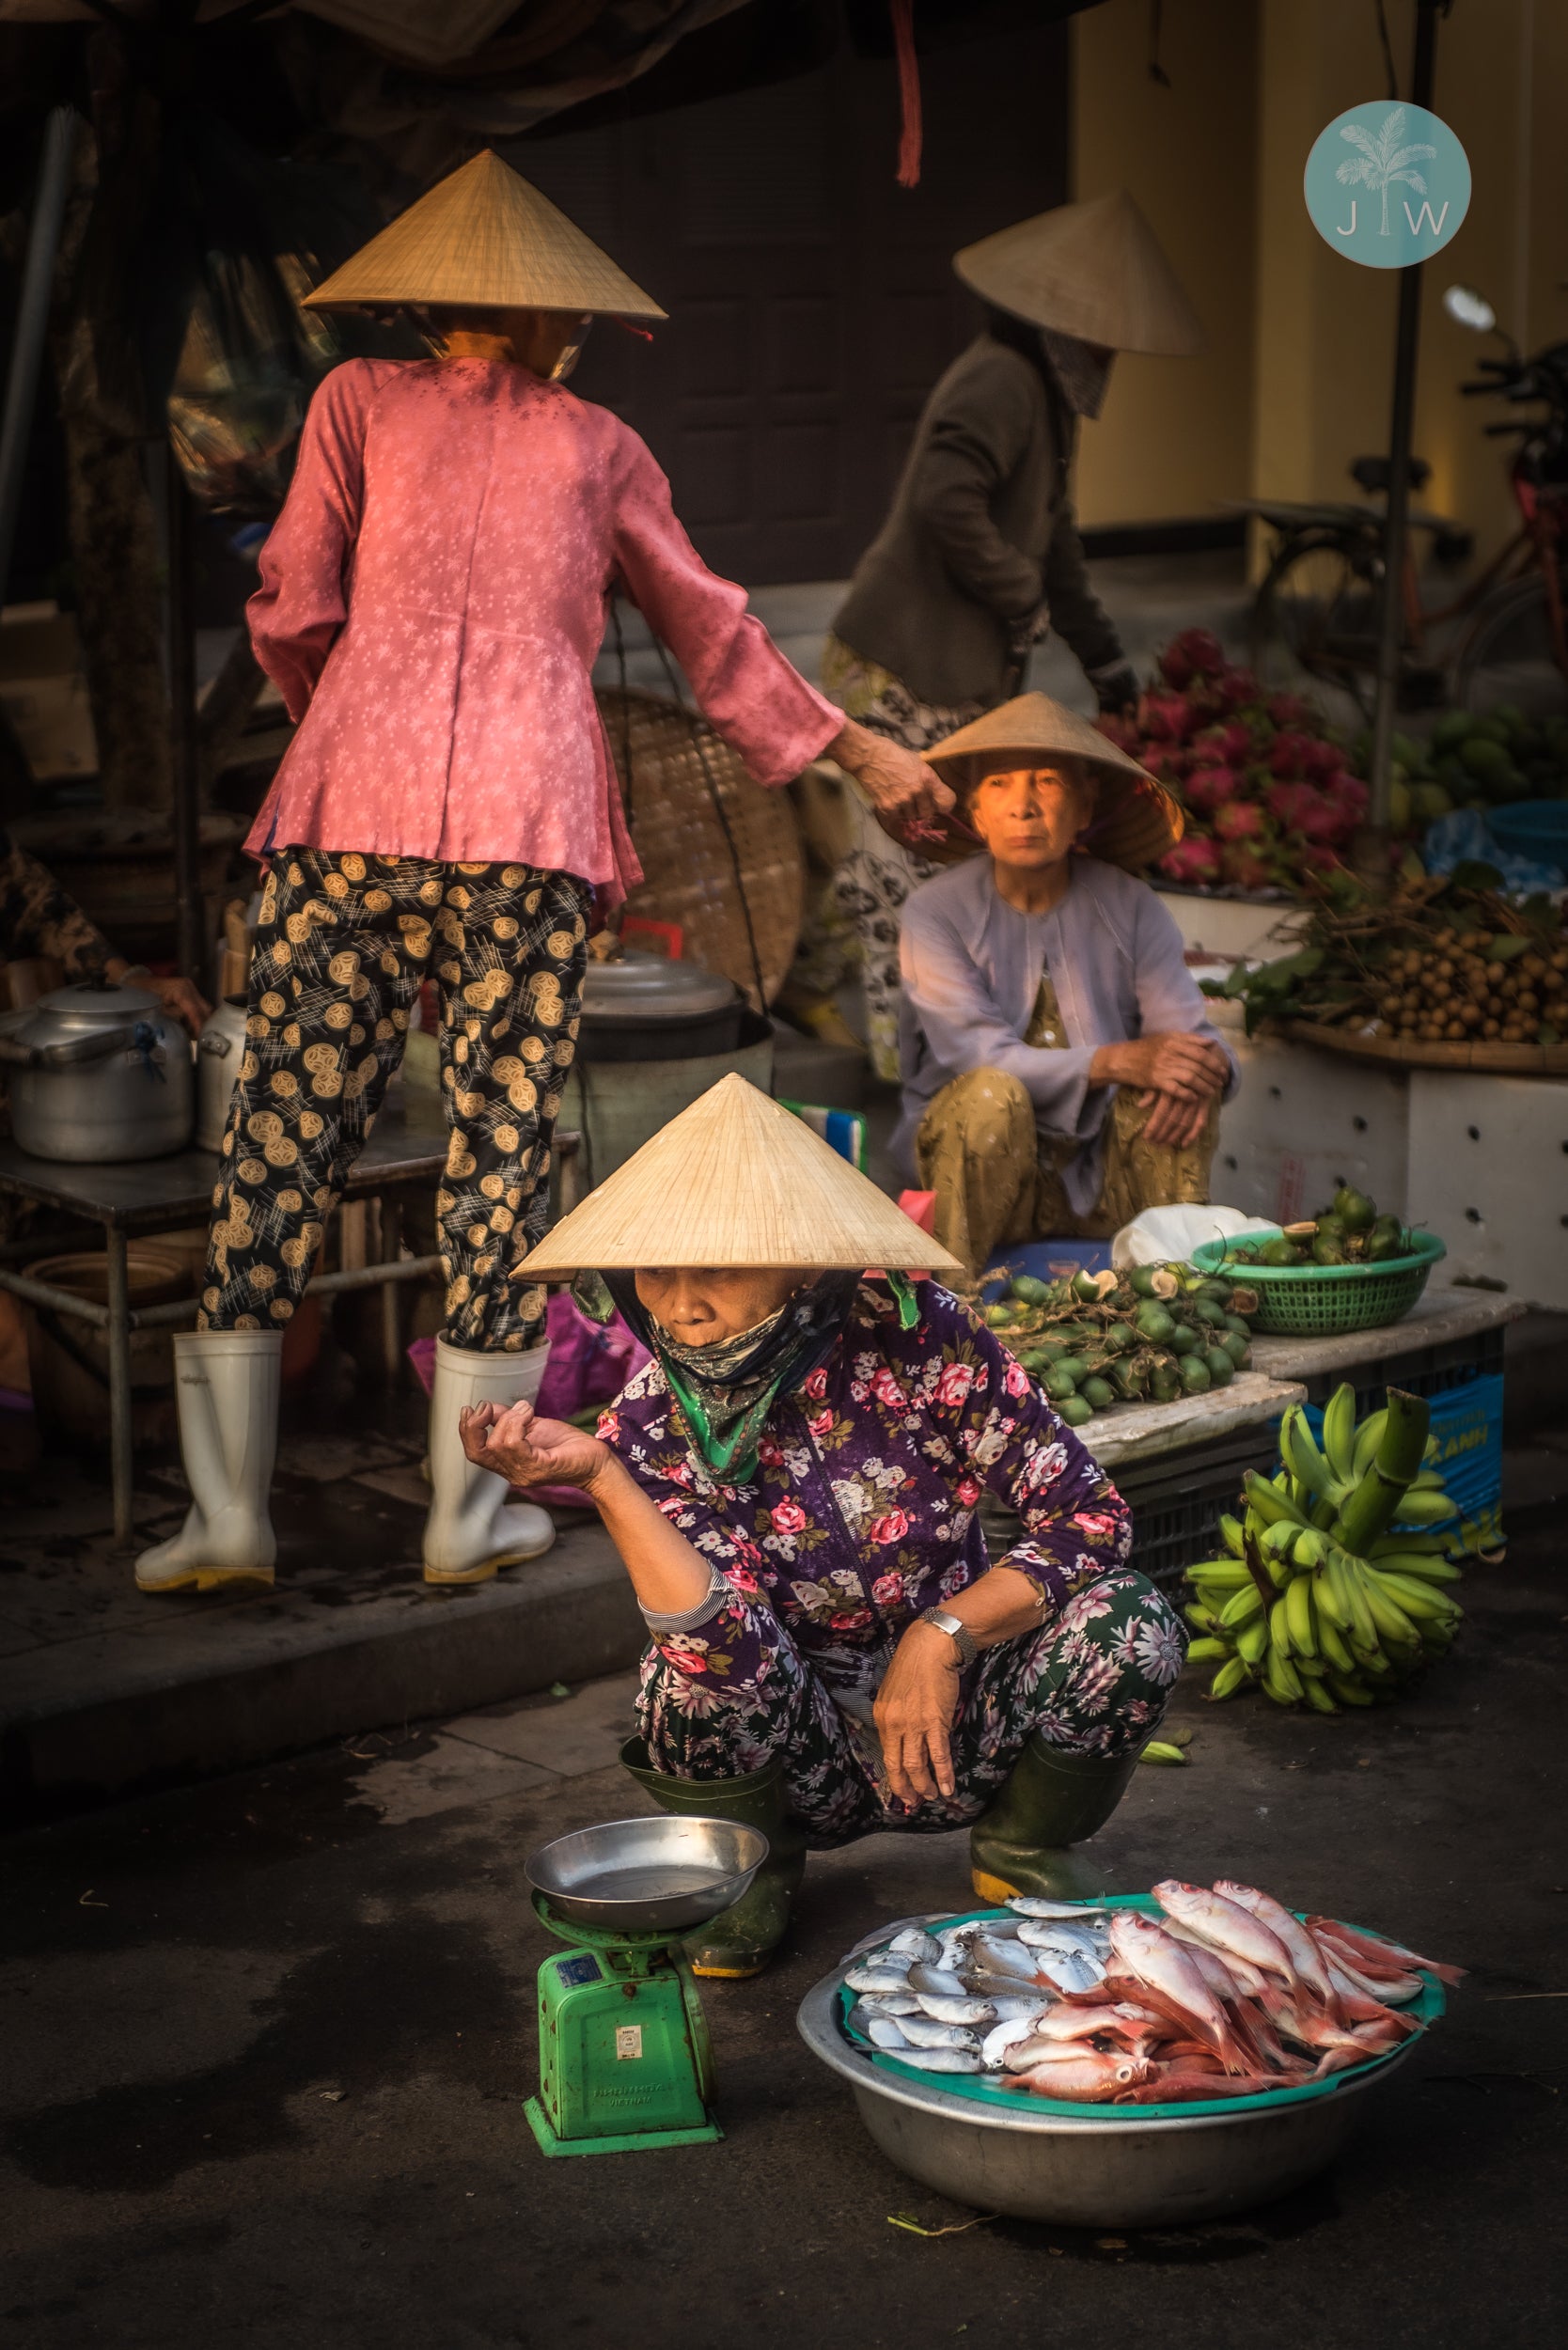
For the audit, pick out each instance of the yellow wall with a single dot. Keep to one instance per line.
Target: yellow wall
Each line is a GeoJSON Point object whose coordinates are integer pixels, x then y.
{"type": "Point", "coordinates": [1175, 434]}
{"type": "Point", "coordinates": [1297, 379]}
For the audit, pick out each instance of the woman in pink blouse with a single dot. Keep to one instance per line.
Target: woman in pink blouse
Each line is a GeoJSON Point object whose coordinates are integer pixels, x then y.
{"type": "Point", "coordinates": [433, 597]}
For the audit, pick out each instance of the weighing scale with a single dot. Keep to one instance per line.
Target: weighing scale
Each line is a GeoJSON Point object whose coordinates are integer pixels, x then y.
{"type": "Point", "coordinates": [624, 2057]}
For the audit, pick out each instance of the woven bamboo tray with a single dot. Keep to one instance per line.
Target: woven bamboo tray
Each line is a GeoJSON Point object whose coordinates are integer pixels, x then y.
{"type": "Point", "coordinates": [690, 874]}
{"type": "Point", "coordinates": [1497, 1061]}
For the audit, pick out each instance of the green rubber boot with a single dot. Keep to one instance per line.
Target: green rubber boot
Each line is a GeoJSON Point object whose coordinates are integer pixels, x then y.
{"type": "Point", "coordinates": [742, 1939]}
{"type": "Point", "coordinates": [1051, 1800]}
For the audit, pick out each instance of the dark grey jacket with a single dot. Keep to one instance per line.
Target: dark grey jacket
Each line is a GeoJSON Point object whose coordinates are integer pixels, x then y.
{"type": "Point", "coordinates": [980, 536]}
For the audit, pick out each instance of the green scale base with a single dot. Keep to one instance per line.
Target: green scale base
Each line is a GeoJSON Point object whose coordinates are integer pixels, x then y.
{"type": "Point", "coordinates": [624, 2060]}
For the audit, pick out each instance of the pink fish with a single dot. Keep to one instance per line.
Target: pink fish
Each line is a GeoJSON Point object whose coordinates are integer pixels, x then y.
{"type": "Point", "coordinates": [1164, 1966]}
{"type": "Point", "coordinates": [1072, 2021]}
{"type": "Point", "coordinates": [1227, 1978]}
{"type": "Point", "coordinates": [1181, 2087]}
{"type": "Point", "coordinates": [1227, 1926]}
{"type": "Point", "coordinates": [1376, 1948]}
{"type": "Point", "coordinates": [1303, 1951]}
{"type": "Point", "coordinates": [1088, 2079]}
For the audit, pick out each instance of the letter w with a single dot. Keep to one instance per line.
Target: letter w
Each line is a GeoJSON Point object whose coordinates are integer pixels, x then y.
{"type": "Point", "coordinates": [1419, 220]}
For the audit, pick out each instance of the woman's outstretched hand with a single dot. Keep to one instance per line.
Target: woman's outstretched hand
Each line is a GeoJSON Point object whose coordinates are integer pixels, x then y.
{"type": "Point", "coordinates": [914, 1715]}
{"type": "Point", "coordinates": [513, 1441]}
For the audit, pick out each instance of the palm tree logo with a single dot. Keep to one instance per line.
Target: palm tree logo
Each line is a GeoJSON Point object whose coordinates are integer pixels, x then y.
{"type": "Point", "coordinates": [1382, 162]}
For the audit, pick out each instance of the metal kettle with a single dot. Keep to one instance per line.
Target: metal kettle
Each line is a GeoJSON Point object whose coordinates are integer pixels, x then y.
{"type": "Point", "coordinates": [98, 1074]}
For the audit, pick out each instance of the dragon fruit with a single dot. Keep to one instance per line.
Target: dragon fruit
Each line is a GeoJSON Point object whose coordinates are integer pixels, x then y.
{"type": "Point", "coordinates": [1240, 819]}
{"type": "Point", "coordinates": [1289, 754]}
{"type": "Point", "coordinates": [1287, 802]}
{"type": "Point", "coordinates": [1208, 789]}
{"type": "Point", "coordinates": [1226, 745]}
{"type": "Point", "coordinates": [1197, 653]}
{"type": "Point", "coordinates": [1322, 759]}
{"type": "Point", "coordinates": [1349, 792]}
{"type": "Point", "coordinates": [1121, 731]}
{"type": "Point", "coordinates": [1237, 689]}
{"type": "Point", "coordinates": [1289, 710]}
{"type": "Point", "coordinates": [1192, 860]}
{"type": "Point", "coordinates": [1167, 718]}
{"type": "Point", "coordinates": [1243, 867]}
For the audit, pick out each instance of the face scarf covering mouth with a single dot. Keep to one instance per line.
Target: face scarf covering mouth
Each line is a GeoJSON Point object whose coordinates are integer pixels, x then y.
{"type": "Point", "coordinates": [724, 1391]}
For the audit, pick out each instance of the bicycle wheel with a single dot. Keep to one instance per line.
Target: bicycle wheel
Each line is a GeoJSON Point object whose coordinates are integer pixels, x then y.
{"type": "Point", "coordinates": [1510, 656]}
{"type": "Point", "coordinates": [1316, 616]}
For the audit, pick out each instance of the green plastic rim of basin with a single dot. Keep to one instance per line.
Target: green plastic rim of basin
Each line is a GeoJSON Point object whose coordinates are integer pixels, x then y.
{"type": "Point", "coordinates": [1424, 2010]}
{"type": "Point", "coordinates": [1316, 1301]}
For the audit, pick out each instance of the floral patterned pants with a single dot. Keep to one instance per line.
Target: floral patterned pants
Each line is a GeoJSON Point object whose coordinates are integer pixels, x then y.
{"type": "Point", "coordinates": [1095, 1680]}
{"type": "Point", "coordinates": [342, 946]}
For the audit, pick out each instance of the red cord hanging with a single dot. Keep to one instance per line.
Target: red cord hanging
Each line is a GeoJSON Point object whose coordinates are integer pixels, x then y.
{"type": "Point", "coordinates": [909, 93]}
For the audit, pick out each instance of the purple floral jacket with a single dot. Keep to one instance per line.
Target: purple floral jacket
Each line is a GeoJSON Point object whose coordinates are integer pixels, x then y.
{"type": "Point", "coordinates": [863, 1512]}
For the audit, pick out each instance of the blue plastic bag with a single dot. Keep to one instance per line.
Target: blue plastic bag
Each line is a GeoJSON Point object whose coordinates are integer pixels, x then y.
{"type": "Point", "coordinates": [1465, 834]}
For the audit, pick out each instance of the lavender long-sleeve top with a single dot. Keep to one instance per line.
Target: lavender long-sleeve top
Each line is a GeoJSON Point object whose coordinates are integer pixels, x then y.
{"type": "Point", "coordinates": [433, 597]}
{"type": "Point", "coordinates": [971, 968]}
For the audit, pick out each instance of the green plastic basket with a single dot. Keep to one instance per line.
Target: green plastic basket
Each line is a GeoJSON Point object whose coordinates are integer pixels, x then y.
{"type": "Point", "coordinates": [985, 2089]}
{"type": "Point", "coordinates": [1318, 1301]}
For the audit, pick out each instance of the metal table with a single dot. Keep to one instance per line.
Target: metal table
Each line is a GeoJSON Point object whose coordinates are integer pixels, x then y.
{"type": "Point", "coordinates": [136, 1197]}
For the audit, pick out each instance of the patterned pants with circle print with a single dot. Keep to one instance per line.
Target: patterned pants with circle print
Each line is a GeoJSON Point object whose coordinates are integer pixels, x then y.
{"type": "Point", "coordinates": [342, 946]}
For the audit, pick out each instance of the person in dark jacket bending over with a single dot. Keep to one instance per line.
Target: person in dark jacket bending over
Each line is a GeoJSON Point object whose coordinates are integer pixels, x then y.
{"type": "Point", "coordinates": [980, 553]}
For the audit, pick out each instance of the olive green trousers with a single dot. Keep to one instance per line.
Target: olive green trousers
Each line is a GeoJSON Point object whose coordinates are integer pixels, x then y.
{"type": "Point", "coordinates": [997, 1180]}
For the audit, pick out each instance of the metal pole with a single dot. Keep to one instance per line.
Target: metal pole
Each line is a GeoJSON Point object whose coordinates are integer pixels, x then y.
{"type": "Point", "coordinates": [190, 949]}
{"type": "Point", "coordinates": [120, 1382]}
{"type": "Point", "coordinates": [32, 317]}
{"type": "Point", "coordinates": [1406, 342]}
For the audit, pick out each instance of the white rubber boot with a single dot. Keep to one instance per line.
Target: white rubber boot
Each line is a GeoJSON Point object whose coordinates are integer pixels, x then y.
{"type": "Point", "coordinates": [225, 1385]}
{"type": "Point", "coordinates": [472, 1527]}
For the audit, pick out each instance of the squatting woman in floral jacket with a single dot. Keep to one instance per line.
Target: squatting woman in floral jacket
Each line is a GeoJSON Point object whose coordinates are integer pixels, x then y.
{"type": "Point", "coordinates": [794, 1482]}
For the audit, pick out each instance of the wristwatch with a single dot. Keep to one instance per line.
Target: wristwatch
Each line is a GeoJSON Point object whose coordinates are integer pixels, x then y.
{"type": "Point", "coordinates": [957, 1631]}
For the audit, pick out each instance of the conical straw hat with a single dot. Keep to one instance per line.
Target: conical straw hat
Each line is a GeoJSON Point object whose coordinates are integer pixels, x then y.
{"type": "Point", "coordinates": [485, 239]}
{"type": "Point", "coordinates": [1137, 818]}
{"type": "Point", "coordinates": [736, 1181]}
{"type": "Point", "coordinates": [1094, 270]}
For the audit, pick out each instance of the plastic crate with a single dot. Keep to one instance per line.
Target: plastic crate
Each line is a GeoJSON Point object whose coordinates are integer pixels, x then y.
{"type": "Point", "coordinates": [1321, 1301]}
{"type": "Point", "coordinates": [1177, 1501]}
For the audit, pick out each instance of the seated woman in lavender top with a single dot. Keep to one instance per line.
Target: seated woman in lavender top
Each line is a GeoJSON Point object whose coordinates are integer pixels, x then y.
{"type": "Point", "coordinates": [1060, 1073]}
{"type": "Point", "coordinates": [794, 1484]}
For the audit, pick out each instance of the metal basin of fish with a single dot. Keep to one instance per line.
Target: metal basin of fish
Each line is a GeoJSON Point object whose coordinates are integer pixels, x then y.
{"type": "Point", "coordinates": [645, 1875]}
{"type": "Point", "coordinates": [1096, 2167]}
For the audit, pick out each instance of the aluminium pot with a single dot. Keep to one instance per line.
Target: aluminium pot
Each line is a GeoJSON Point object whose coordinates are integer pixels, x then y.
{"type": "Point", "coordinates": [98, 1074]}
{"type": "Point", "coordinates": [648, 1007]}
{"type": "Point", "coordinates": [220, 1050]}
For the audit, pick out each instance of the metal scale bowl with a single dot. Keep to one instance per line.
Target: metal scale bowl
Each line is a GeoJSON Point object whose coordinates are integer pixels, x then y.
{"type": "Point", "coordinates": [625, 2060]}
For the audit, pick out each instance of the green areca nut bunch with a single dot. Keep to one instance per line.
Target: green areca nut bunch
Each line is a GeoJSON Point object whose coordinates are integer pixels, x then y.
{"type": "Point", "coordinates": [1151, 1335]}
{"type": "Point", "coordinates": [1318, 1600]}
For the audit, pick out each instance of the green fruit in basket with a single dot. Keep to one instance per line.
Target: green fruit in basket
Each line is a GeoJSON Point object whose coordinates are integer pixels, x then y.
{"type": "Point", "coordinates": [1451, 728]}
{"type": "Point", "coordinates": [1238, 1348]}
{"type": "Point", "coordinates": [1221, 1369]}
{"type": "Point", "coordinates": [1058, 1386]}
{"type": "Point", "coordinates": [1356, 1212]}
{"type": "Point", "coordinates": [1165, 1380]}
{"type": "Point", "coordinates": [997, 1317]}
{"type": "Point", "coordinates": [1119, 1338]}
{"type": "Point", "coordinates": [1429, 802]}
{"type": "Point", "coordinates": [1153, 1323]}
{"type": "Point", "coordinates": [1029, 1290]}
{"type": "Point", "coordinates": [1197, 1378]}
{"type": "Point", "coordinates": [1327, 1249]}
{"type": "Point", "coordinates": [1183, 1339]}
{"type": "Point", "coordinates": [1383, 1248]}
{"type": "Point", "coordinates": [1075, 1411]}
{"type": "Point", "coordinates": [1072, 1366]}
{"type": "Point", "coordinates": [1209, 1309]}
{"type": "Point", "coordinates": [1097, 1393]}
{"type": "Point", "coordinates": [1237, 1327]}
{"type": "Point", "coordinates": [1280, 1252]}
{"type": "Point", "coordinates": [1213, 1287]}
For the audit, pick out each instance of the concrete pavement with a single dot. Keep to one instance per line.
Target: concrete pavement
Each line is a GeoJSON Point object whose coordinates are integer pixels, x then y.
{"type": "Point", "coordinates": [268, 2042]}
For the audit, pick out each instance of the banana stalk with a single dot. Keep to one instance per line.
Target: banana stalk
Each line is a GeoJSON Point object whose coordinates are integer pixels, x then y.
{"type": "Point", "coordinates": [1374, 1503]}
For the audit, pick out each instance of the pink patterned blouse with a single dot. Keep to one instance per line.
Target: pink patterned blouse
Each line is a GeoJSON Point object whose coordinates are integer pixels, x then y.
{"type": "Point", "coordinates": [433, 597]}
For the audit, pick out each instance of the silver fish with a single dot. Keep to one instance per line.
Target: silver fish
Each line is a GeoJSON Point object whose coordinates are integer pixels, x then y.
{"type": "Point", "coordinates": [1003, 2036]}
{"type": "Point", "coordinates": [1010, 2006]}
{"type": "Point", "coordinates": [1003, 1958]}
{"type": "Point", "coordinates": [883, 2032]}
{"type": "Point", "coordinates": [1041, 1933]}
{"type": "Point", "coordinates": [892, 2002]}
{"type": "Point", "coordinates": [934, 1981]}
{"type": "Point", "coordinates": [975, 2011]}
{"type": "Point", "coordinates": [943, 2059]}
{"type": "Point", "coordinates": [1036, 1905]}
{"type": "Point", "coordinates": [913, 1943]}
{"type": "Point", "coordinates": [923, 2032]}
{"type": "Point", "coordinates": [868, 1976]}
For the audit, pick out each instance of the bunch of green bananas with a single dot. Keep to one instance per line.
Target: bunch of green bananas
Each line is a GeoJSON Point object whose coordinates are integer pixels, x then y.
{"type": "Point", "coordinates": [1317, 1601]}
